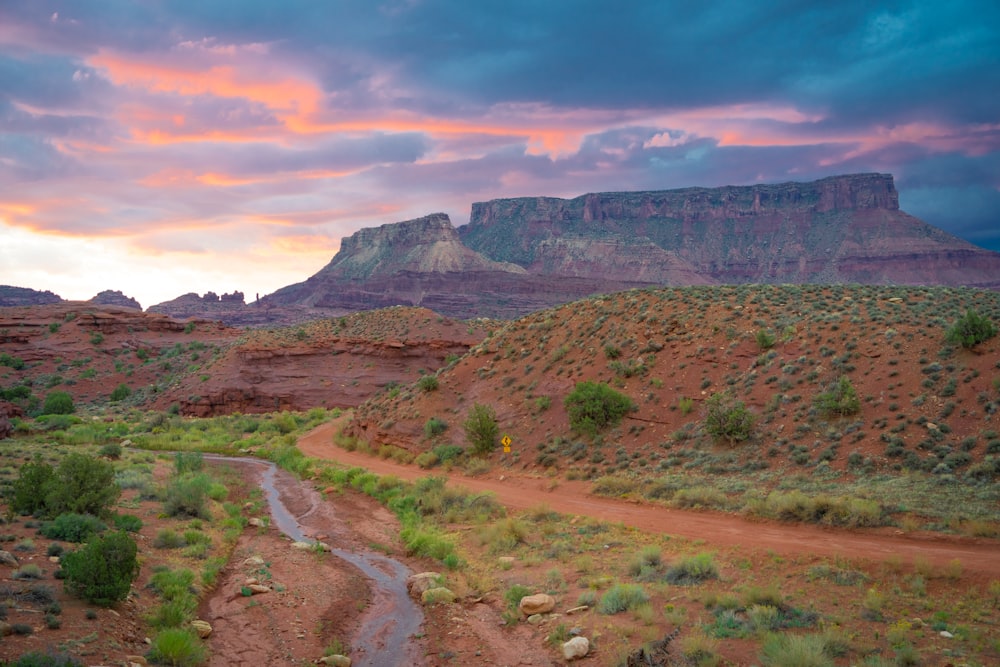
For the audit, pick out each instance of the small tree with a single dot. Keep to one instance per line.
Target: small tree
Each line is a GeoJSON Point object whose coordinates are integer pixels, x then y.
{"type": "Point", "coordinates": [728, 419]}
{"type": "Point", "coordinates": [58, 403]}
{"type": "Point", "coordinates": [970, 330]}
{"type": "Point", "coordinates": [765, 339]}
{"type": "Point", "coordinates": [83, 485]}
{"type": "Point", "coordinates": [120, 393]}
{"type": "Point", "coordinates": [103, 570]}
{"type": "Point", "coordinates": [840, 399]}
{"type": "Point", "coordinates": [594, 406]}
{"type": "Point", "coordinates": [28, 492]}
{"type": "Point", "coordinates": [481, 429]}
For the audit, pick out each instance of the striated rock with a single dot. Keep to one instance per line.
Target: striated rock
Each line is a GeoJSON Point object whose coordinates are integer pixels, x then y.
{"type": "Point", "coordinates": [202, 628]}
{"type": "Point", "coordinates": [437, 595]}
{"type": "Point", "coordinates": [577, 647]}
{"type": "Point", "coordinates": [23, 296]}
{"type": "Point", "coordinates": [540, 603]}
{"type": "Point", "coordinates": [7, 558]}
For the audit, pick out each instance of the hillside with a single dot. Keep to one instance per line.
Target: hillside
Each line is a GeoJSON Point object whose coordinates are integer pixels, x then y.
{"type": "Point", "coordinates": [924, 404]}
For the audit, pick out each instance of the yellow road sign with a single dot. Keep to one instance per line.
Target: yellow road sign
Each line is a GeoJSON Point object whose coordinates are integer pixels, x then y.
{"type": "Point", "coordinates": [505, 441]}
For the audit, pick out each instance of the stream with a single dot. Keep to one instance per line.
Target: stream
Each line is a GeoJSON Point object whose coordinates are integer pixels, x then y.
{"type": "Point", "coordinates": [383, 639]}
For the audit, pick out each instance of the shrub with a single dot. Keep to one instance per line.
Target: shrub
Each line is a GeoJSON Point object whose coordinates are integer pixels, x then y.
{"type": "Point", "coordinates": [787, 650]}
{"type": "Point", "coordinates": [428, 383]}
{"type": "Point", "coordinates": [178, 646]}
{"type": "Point", "coordinates": [82, 485]}
{"type": "Point", "coordinates": [188, 462]}
{"type": "Point", "coordinates": [38, 659]}
{"type": "Point", "coordinates": [29, 571]}
{"type": "Point", "coordinates": [481, 429]}
{"type": "Point", "coordinates": [58, 403]}
{"type": "Point", "coordinates": [120, 393]}
{"type": "Point", "coordinates": [72, 527]}
{"type": "Point", "coordinates": [765, 339]}
{"type": "Point", "coordinates": [728, 419]}
{"type": "Point", "coordinates": [111, 450]}
{"type": "Point", "coordinates": [692, 570]}
{"type": "Point", "coordinates": [188, 496]}
{"type": "Point", "coordinates": [168, 539]}
{"type": "Point", "coordinates": [970, 329]}
{"type": "Point", "coordinates": [128, 522]}
{"type": "Point", "coordinates": [102, 571]}
{"type": "Point", "coordinates": [622, 597]}
{"type": "Point", "coordinates": [594, 406]}
{"type": "Point", "coordinates": [840, 399]}
{"type": "Point", "coordinates": [434, 427]}
{"type": "Point", "coordinates": [32, 484]}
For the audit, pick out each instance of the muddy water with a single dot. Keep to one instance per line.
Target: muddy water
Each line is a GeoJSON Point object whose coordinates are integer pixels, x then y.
{"type": "Point", "coordinates": [385, 637]}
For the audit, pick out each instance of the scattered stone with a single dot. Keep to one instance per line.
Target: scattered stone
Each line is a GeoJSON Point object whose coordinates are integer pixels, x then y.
{"type": "Point", "coordinates": [335, 661]}
{"type": "Point", "coordinates": [256, 522]}
{"type": "Point", "coordinates": [53, 559]}
{"type": "Point", "coordinates": [437, 595]}
{"type": "Point", "coordinates": [302, 546]}
{"type": "Point", "coordinates": [250, 581]}
{"type": "Point", "coordinates": [946, 634]}
{"type": "Point", "coordinates": [577, 610]}
{"type": "Point", "coordinates": [203, 628]}
{"type": "Point", "coordinates": [254, 561]}
{"type": "Point", "coordinates": [5, 629]}
{"type": "Point", "coordinates": [256, 589]}
{"type": "Point", "coordinates": [136, 660]}
{"type": "Point", "coordinates": [577, 647]}
{"type": "Point", "coordinates": [506, 560]}
{"type": "Point", "coordinates": [536, 619]}
{"type": "Point", "coordinates": [416, 584]}
{"type": "Point", "coordinates": [536, 604]}
{"type": "Point", "coordinates": [575, 631]}
{"type": "Point", "coordinates": [7, 558]}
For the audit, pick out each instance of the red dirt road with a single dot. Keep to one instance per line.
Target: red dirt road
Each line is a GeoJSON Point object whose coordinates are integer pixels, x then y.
{"type": "Point", "coordinates": [980, 558]}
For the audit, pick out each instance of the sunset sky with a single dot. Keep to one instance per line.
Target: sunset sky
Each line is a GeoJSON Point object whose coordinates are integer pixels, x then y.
{"type": "Point", "coordinates": [160, 147]}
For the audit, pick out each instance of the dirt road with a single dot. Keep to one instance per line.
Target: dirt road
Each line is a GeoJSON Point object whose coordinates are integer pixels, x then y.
{"type": "Point", "coordinates": [980, 558]}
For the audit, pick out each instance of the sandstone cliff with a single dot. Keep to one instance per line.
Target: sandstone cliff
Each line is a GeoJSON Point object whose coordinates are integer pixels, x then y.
{"type": "Point", "coordinates": [115, 298]}
{"type": "Point", "coordinates": [839, 229]}
{"type": "Point", "coordinates": [23, 296]}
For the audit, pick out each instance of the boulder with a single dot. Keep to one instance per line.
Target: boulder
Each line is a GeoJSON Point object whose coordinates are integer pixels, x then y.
{"type": "Point", "coordinates": [335, 661]}
{"type": "Point", "coordinates": [416, 584]}
{"type": "Point", "coordinates": [7, 558]}
{"type": "Point", "coordinates": [577, 647]}
{"type": "Point", "coordinates": [203, 628]}
{"type": "Point", "coordinates": [536, 604]}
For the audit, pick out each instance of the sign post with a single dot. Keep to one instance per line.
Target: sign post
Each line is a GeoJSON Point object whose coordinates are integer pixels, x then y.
{"type": "Point", "coordinates": [505, 441]}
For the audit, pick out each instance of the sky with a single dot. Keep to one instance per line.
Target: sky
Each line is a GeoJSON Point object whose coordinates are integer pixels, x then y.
{"type": "Point", "coordinates": [163, 147]}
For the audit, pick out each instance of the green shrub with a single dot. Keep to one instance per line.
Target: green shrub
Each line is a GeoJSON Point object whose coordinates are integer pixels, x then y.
{"type": "Point", "coordinates": [72, 527]}
{"type": "Point", "coordinates": [434, 427]}
{"type": "Point", "coordinates": [840, 399]}
{"type": "Point", "coordinates": [58, 403]}
{"type": "Point", "coordinates": [38, 659]}
{"type": "Point", "coordinates": [970, 330]}
{"type": "Point", "coordinates": [622, 597]}
{"type": "Point", "coordinates": [428, 383]}
{"type": "Point", "coordinates": [111, 450]}
{"type": "Point", "coordinates": [82, 485]}
{"type": "Point", "coordinates": [514, 594]}
{"type": "Point", "coordinates": [728, 419]}
{"type": "Point", "coordinates": [448, 452]}
{"type": "Point", "coordinates": [481, 429]}
{"type": "Point", "coordinates": [11, 362]}
{"type": "Point", "coordinates": [788, 650]}
{"type": "Point", "coordinates": [594, 406]}
{"type": "Point", "coordinates": [178, 646]}
{"type": "Point", "coordinates": [102, 571]}
{"type": "Point", "coordinates": [765, 339]}
{"type": "Point", "coordinates": [187, 495]}
{"type": "Point", "coordinates": [188, 462]}
{"type": "Point", "coordinates": [28, 491]}
{"type": "Point", "coordinates": [692, 570]}
{"type": "Point", "coordinates": [120, 393]}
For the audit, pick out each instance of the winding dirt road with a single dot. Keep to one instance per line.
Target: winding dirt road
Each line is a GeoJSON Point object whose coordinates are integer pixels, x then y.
{"type": "Point", "coordinates": [980, 558]}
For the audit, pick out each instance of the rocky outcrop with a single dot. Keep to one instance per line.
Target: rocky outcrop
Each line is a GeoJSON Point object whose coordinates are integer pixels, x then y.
{"type": "Point", "coordinates": [839, 229]}
{"type": "Point", "coordinates": [23, 296]}
{"type": "Point", "coordinates": [115, 298]}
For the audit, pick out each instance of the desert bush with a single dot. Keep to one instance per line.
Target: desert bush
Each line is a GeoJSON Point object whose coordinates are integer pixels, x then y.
{"type": "Point", "coordinates": [514, 594]}
{"type": "Point", "coordinates": [622, 597]}
{"type": "Point", "coordinates": [58, 403]}
{"type": "Point", "coordinates": [427, 383]}
{"type": "Point", "coordinates": [692, 570]}
{"type": "Point", "coordinates": [27, 571]}
{"type": "Point", "coordinates": [481, 429]}
{"type": "Point", "coordinates": [111, 450]}
{"type": "Point", "coordinates": [39, 659]}
{"type": "Point", "coordinates": [434, 427]}
{"type": "Point", "coordinates": [102, 571]}
{"type": "Point", "coordinates": [82, 485]}
{"type": "Point", "coordinates": [187, 495]}
{"type": "Point", "coordinates": [970, 330]}
{"type": "Point", "coordinates": [765, 339]}
{"type": "Point", "coordinates": [72, 527]}
{"type": "Point", "coordinates": [728, 419]}
{"type": "Point", "coordinates": [177, 646]}
{"type": "Point", "coordinates": [839, 400]}
{"type": "Point", "coordinates": [594, 406]}
{"type": "Point", "coordinates": [28, 491]}
{"type": "Point", "coordinates": [188, 462]}
{"type": "Point", "coordinates": [788, 650]}
{"type": "Point", "coordinates": [120, 393]}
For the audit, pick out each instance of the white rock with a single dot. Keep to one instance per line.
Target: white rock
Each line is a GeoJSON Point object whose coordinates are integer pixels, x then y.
{"type": "Point", "coordinates": [946, 634]}
{"type": "Point", "coordinates": [577, 647]}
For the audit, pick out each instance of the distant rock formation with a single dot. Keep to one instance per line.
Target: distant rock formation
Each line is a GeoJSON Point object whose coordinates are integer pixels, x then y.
{"type": "Point", "coordinates": [23, 296]}
{"type": "Point", "coordinates": [115, 298]}
{"type": "Point", "coordinates": [520, 255]}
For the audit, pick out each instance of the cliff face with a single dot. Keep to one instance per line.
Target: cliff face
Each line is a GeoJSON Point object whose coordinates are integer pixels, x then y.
{"type": "Point", "coordinates": [838, 229]}
{"type": "Point", "coordinates": [23, 296]}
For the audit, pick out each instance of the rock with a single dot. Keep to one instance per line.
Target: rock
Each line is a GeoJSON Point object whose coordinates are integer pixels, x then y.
{"type": "Point", "coordinates": [302, 546]}
{"type": "Point", "coordinates": [250, 581]}
{"type": "Point", "coordinates": [946, 634]}
{"type": "Point", "coordinates": [7, 558]}
{"type": "Point", "coordinates": [535, 619]}
{"type": "Point", "coordinates": [5, 629]}
{"type": "Point", "coordinates": [257, 589]}
{"type": "Point", "coordinates": [335, 661]}
{"type": "Point", "coordinates": [577, 610]}
{"type": "Point", "coordinates": [577, 647]}
{"type": "Point", "coordinates": [437, 595]}
{"type": "Point", "coordinates": [256, 522]}
{"type": "Point", "coordinates": [416, 584]}
{"type": "Point", "coordinates": [115, 298]}
{"type": "Point", "coordinates": [203, 628]}
{"type": "Point", "coordinates": [136, 660]}
{"type": "Point", "coordinates": [536, 604]}
{"type": "Point", "coordinates": [254, 561]}
{"type": "Point", "coordinates": [506, 560]}
{"type": "Point", "coordinates": [54, 559]}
